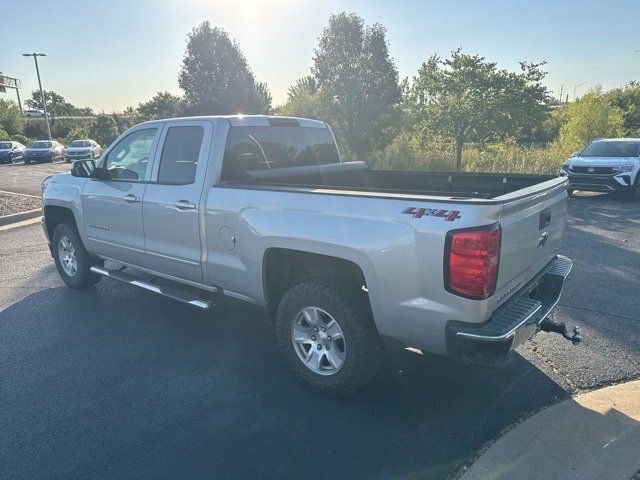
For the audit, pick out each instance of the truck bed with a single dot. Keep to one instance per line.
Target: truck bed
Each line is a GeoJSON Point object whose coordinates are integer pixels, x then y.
{"type": "Point", "coordinates": [357, 176]}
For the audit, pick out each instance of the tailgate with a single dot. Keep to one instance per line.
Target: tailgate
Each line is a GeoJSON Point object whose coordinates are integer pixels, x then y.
{"type": "Point", "coordinates": [532, 223]}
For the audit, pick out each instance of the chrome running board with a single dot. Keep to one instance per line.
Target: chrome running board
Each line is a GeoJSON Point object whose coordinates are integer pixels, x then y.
{"type": "Point", "coordinates": [172, 292]}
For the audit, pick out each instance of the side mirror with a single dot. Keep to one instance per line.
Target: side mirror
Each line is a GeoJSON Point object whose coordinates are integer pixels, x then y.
{"type": "Point", "coordinates": [575, 153]}
{"type": "Point", "coordinates": [83, 168]}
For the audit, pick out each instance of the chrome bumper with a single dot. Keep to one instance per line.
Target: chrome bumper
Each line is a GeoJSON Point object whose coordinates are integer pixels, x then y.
{"type": "Point", "coordinates": [514, 322]}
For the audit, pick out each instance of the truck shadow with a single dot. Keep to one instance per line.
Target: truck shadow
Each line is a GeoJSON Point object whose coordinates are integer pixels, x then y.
{"type": "Point", "coordinates": [117, 382]}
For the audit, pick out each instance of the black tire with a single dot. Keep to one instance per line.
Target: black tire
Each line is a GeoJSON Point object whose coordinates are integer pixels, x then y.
{"type": "Point", "coordinates": [363, 347]}
{"type": "Point", "coordinates": [570, 192]}
{"type": "Point", "coordinates": [83, 277]}
{"type": "Point", "coordinates": [27, 162]}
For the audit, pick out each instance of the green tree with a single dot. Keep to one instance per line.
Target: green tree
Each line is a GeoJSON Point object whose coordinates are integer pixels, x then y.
{"type": "Point", "coordinates": [11, 119]}
{"type": "Point", "coordinates": [303, 86]}
{"type": "Point", "coordinates": [56, 104]}
{"type": "Point", "coordinates": [627, 99]}
{"type": "Point", "coordinates": [104, 129]}
{"type": "Point", "coordinates": [215, 75]}
{"type": "Point", "coordinates": [264, 98]}
{"type": "Point", "coordinates": [464, 99]}
{"type": "Point", "coordinates": [161, 105]}
{"type": "Point", "coordinates": [588, 118]}
{"type": "Point", "coordinates": [303, 100]}
{"type": "Point", "coordinates": [358, 83]}
{"type": "Point", "coordinates": [77, 132]}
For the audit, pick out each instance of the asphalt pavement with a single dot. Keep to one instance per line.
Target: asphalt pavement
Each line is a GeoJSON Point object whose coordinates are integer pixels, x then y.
{"type": "Point", "coordinates": [118, 382]}
{"type": "Point", "coordinates": [27, 179]}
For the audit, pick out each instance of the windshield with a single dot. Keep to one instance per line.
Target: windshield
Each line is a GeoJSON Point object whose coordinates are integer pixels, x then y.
{"type": "Point", "coordinates": [257, 148]}
{"type": "Point", "coordinates": [612, 149]}
{"type": "Point", "coordinates": [80, 143]}
{"type": "Point", "coordinates": [40, 145]}
{"type": "Point", "coordinates": [5, 145]}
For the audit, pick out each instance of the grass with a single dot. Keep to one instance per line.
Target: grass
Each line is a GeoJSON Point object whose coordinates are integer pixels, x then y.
{"type": "Point", "coordinates": [404, 154]}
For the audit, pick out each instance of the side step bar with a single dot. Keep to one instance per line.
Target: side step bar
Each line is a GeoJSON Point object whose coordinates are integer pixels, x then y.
{"type": "Point", "coordinates": [174, 293]}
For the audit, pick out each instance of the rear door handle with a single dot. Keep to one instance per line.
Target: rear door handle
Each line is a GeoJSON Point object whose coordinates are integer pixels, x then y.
{"type": "Point", "coordinates": [131, 198]}
{"type": "Point", "coordinates": [184, 205]}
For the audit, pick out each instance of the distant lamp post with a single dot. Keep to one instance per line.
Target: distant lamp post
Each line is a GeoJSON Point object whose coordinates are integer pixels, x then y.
{"type": "Point", "coordinates": [44, 103]}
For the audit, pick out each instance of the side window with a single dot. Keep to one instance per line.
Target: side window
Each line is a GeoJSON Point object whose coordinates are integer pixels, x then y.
{"type": "Point", "coordinates": [129, 158]}
{"type": "Point", "coordinates": [180, 154]}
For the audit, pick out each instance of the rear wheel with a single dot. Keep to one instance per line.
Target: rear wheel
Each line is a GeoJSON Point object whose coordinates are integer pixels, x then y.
{"type": "Point", "coordinates": [326, 335]}
{"type": "Point", "coordinates": [72, 259]}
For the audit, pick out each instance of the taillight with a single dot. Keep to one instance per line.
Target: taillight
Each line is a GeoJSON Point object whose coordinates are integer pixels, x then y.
{"type": "Point", "coordinates": [471, 261]}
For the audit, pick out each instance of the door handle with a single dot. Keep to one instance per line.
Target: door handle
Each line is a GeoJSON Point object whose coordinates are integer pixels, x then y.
{"type": "Point", "coordinates": [184, 205]}
{"type": "Point", "coordinates": [131, 198]}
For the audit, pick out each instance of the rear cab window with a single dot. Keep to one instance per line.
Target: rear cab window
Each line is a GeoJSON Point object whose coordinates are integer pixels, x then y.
{"type": "Point", "coordinates": [265, 147]}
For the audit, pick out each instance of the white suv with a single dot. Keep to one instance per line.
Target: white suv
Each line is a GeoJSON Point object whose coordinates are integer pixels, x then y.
{"type": "Point", "coordinates": [606, 165]}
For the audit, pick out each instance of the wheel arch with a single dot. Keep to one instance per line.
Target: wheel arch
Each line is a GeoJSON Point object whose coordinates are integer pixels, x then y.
{"type": "Point", "coordinates": [54, 215]}
{"type": "Point", "coordinates": [284, 268]}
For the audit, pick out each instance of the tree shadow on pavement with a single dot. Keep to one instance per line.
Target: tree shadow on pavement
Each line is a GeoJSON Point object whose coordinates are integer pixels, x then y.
{"type": "Point", "coordinates": [117, 382]}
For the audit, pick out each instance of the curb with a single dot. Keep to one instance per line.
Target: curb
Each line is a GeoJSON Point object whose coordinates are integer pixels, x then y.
{"type": "Point", "coordinates": [19, 217]}
{"type": "Point", "coordinates": [590, 436]}
{"type": "Point", "coordinates": [21, 194]}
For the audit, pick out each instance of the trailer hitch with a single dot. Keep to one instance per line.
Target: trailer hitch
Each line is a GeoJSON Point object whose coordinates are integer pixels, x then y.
{"type": "Point", "coordinates": [549, 325]}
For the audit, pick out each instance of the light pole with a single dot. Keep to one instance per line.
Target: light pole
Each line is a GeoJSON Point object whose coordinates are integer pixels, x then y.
{"type": "Point", "coordinates": [44, 103]}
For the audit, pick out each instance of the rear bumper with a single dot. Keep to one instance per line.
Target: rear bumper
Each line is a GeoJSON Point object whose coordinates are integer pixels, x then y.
{"type": "Point", "coordinates": [600, 183]}
{"type": "Point", "coordinates": [514, 322]}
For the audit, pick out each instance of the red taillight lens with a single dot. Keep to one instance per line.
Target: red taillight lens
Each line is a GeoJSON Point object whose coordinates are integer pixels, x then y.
{"type": "Point", "coordinates": [471, 262]}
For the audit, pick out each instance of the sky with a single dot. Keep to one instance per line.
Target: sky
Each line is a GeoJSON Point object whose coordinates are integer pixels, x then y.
{"type": "Point", "coordinates": [110, 54]}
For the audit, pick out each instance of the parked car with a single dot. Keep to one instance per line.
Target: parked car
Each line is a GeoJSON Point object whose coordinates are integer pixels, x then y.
{"type": "Point", "coordinates": [34, 113]}
{"type": "Point", "coordinates": [606, 165]}
{"type": "Point", "coordinates": [262, 209]}
{"type": "Point", "coordinates": [43, 151]}
{"type": "Point", "coordinates": [82, 149]}
{"type": "Point", "coordinates": [10, 151]}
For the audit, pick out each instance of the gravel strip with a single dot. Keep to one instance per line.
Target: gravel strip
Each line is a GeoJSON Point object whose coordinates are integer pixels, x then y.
{"type": "Point", "coordinates": [10, 204]}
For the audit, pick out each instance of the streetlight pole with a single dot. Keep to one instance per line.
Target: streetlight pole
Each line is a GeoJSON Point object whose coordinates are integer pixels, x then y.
{"type": "Point", "coordinates": [44, 103]}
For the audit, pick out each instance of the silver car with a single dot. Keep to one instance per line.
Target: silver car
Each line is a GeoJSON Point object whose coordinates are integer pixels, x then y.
{"type": "Point", "coordinates": [82, 150]}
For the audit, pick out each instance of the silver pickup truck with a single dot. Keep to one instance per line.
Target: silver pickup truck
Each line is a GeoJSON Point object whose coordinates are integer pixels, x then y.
{"type": "Point", "coordinates": [262, 209]}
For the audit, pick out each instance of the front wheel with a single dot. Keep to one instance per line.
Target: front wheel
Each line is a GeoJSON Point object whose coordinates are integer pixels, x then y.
{"type": "Point", "coordinates": [72, 259]}
{"type": "Point", "coordinates": [326, 335]}
{"type": "Point", "coordinates": [570, 192]}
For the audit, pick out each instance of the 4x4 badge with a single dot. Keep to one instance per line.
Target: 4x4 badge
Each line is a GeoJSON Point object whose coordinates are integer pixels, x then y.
{"type": "Point", "coordinates": [448, 215]}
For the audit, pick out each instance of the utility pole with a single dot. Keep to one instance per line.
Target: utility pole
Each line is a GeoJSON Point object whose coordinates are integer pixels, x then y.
{"type": "Point", "coordinates": [44, 103]}
{"type": "Point", "coordinates": [575, 88]}
{"type": "Point", "coordinates": [561, 90]}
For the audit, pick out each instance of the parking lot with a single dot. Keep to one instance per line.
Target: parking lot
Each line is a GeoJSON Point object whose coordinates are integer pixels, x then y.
{"type": "Point", "coordinates": [116, 380]}
{"type": "Point", "coordinates": [21, 178]}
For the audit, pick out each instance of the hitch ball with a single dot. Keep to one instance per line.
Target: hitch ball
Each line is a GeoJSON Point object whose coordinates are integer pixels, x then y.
{"type": "Point", "coordinates": [549, 325]}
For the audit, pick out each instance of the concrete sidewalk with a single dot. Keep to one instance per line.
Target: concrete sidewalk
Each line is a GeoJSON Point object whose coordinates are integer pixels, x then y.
{"type": "Point", "coordinates": [595, 435]}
